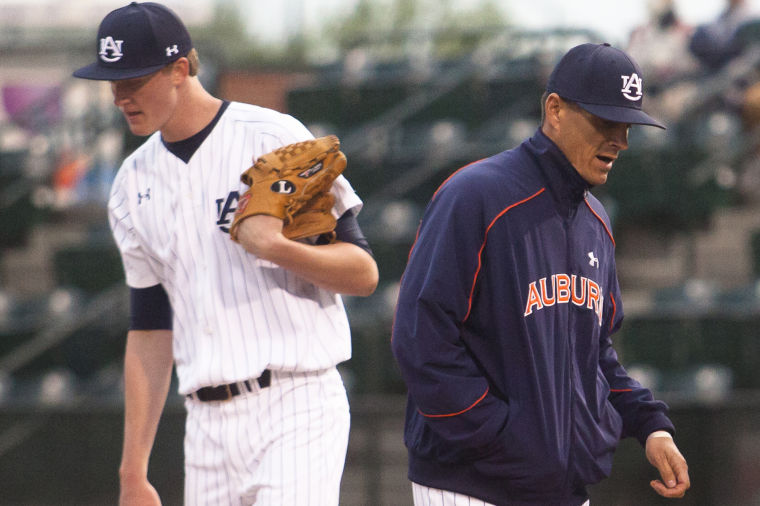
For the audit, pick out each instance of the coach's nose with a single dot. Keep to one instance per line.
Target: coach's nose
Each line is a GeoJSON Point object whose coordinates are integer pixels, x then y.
{"type": "Point", "coordinates": [618, 136]}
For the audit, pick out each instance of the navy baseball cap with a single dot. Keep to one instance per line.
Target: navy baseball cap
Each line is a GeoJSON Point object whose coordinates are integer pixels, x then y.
{"type": "Point", "coordinates": [135, 41]}
{"type": "Point", "coordinates": [604, 81]}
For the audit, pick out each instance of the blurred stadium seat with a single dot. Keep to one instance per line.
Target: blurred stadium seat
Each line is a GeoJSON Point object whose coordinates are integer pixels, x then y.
{"type": "Point", "coordinates": [91, 266]}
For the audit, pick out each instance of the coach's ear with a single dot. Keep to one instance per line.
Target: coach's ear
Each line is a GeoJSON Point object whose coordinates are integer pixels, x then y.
{"type": "Point", "coordinates": [552, 108]}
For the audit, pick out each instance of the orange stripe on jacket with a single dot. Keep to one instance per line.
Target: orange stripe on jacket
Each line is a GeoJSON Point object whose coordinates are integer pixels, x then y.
{"type": "Point", "coordinates": [482, 247]}
{"type": "Point", "coordinates": [465, 410]}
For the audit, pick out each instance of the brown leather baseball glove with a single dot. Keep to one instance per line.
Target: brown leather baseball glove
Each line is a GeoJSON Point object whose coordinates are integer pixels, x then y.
{"type": "Point", "coordinates": [293, 183]}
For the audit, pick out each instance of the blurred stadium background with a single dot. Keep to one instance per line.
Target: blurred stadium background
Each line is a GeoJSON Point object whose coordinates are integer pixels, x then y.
{"type": "Point", "coordinates": [413, 96]}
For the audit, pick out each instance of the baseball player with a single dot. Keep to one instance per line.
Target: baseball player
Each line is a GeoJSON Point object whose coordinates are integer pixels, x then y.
{"type": "Point", "coordinates": [508, 304]}
{"type": "Point", "coordinates": [255, 325]}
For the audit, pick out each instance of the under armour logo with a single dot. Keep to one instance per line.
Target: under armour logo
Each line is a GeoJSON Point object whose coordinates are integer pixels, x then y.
{"type": "Point", "coordinates": [632, 81]}
{"type": "Point", "coordinates": [110, 49]}
{"type": "Point", "coordinates": [172, 50]}
{"type": "Point", "coordinates": [592, 260]}
{"type": "Point", "coordinates": [141, 196]}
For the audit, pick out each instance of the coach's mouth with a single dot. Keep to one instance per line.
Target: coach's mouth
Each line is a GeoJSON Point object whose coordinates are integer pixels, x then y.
{"type": "Point", "coordinates": [607, 160]}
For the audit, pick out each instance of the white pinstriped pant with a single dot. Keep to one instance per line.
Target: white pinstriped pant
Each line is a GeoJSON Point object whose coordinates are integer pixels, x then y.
{"type": "Point", "coordinates": [428, 496]}
{"type": "Point", "coordinates": [284, 445]}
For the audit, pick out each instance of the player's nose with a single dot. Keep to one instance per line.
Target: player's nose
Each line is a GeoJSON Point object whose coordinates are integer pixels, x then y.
{"type": "Point", "coordinates": [120, 92]}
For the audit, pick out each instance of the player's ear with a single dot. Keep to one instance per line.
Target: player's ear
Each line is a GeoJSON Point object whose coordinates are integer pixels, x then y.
{"type": "Point", "coordinates": [180, 69]}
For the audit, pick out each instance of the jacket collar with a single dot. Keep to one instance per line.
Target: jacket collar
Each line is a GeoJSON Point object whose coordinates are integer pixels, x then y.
{"type": "Point", "coordinates": [561, 178]}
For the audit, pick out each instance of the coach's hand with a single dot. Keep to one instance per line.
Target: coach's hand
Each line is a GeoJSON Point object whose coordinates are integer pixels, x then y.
{"type": "Point", "coordinates": [663, 454]}
{"type": "Point", "coordinates": [138, 493]}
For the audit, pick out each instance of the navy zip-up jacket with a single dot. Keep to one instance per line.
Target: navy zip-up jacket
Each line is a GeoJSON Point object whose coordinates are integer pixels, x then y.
{"type": "Point", "coordinates": [502, 335]}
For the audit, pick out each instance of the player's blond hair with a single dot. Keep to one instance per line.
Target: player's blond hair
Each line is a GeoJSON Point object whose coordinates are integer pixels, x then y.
{"type": "Point", "coordinates": [194, 63]}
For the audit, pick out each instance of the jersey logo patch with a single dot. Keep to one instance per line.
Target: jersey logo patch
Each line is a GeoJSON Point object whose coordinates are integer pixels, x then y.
{"type": "Point", "coordinates": [110, 49]}
{"type": "Point", "coordinates": [592, 260]}
{"type": "Point", "coordinates": [226, 208]}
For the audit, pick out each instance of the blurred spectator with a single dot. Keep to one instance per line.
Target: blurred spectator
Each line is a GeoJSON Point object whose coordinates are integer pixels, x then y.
{"type": "Point", "coordinates": [750, 169]}
{"type": "Point", "coordinates": [715, 43]}
{"type": "Point", "coordinates": [751, 107]}
{"type": "Point", "coordinates": [727, 49]}
{"type": "Point", "coordinates": [70, 170]}
{"type": "Point", "coordinates": [661, 45]}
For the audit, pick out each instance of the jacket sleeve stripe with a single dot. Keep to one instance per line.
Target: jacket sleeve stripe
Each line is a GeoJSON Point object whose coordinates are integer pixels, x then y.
{"type": "Point", "coordinates": [483, 245]}
{"type": "Point", "coordinates": [458, 412]}
{"type": "Point", "coordinates": [417, 235]}
{"type": "Point", "coordinates": [450, 176]}
{"type": "Point", "coordinates": [601, 221]}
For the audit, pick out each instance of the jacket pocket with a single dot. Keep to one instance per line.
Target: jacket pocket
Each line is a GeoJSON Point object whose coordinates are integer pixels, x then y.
{"type": "Point", "coordinates": [526, 457]}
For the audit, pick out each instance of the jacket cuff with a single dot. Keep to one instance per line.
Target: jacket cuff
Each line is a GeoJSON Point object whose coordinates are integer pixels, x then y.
{"type": "Point", "coordinates": [655, 423]}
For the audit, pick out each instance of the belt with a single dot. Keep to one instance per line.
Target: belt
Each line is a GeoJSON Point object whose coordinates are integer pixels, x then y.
{"type": "Point", "coordinates": [226, 392]}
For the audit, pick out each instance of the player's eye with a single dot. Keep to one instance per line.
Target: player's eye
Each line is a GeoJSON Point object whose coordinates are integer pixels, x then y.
{"type": "Point", "coordinates": [132, 85]}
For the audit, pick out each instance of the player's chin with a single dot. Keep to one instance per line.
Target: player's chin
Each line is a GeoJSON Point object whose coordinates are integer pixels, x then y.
{"type": "Point", "coordinates": [137, 125]}
{"type": "Point", "coordinates": [140, 129]}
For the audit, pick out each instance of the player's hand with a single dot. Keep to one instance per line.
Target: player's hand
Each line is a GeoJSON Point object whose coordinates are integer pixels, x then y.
{"type": "Point", "coordinates": [138, 493]}
{"type": "Point", "coordinates": [260, 234]}
{"type": "Point", "coordinates": [663, 454]}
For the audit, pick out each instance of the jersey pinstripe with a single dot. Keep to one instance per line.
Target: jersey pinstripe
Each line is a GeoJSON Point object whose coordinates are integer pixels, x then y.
{"type": "Point", "coordinates": [234, 314]}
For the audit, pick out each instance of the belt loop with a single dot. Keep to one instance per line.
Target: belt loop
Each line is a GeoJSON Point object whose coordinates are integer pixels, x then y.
{"type": "Point", "coordinates": [265, 379]}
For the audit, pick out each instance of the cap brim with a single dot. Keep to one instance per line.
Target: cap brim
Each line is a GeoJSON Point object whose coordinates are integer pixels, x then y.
{"type": "Point", "coordinates": [98, 72]}
{"type": "Point", "coordinates": [621, 114]}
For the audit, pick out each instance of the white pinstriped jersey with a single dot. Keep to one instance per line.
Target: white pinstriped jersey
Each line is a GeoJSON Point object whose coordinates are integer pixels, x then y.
{"type": "Point", "coordinates": [234, 314]}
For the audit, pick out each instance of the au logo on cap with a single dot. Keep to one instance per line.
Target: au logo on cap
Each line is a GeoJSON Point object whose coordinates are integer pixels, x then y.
{"type": "Point", "coordinates": [632, 81]}
{"type": "Point", "coordinates": [110, 49]}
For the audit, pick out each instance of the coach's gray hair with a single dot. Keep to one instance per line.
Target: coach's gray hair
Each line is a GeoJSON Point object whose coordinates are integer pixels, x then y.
{"type": "Point", "coordinates": [543, 106]}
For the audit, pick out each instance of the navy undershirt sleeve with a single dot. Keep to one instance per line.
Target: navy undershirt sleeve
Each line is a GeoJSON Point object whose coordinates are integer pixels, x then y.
{"type": "Point", "coordinates": [347, 230]}
{"type": "Point", "coordinates": [149, 309]}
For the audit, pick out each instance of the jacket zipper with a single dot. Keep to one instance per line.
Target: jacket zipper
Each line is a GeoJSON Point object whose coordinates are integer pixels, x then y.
{"type": "Point", "coordinates": [567, 222]}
